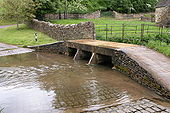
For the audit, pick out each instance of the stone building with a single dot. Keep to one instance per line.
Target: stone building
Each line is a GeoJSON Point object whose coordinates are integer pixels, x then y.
{"type": "Point", "coordinates": [162, 14]}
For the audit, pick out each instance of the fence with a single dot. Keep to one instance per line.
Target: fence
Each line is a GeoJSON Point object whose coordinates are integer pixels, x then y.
{"type": "Point", "coordinates": [133, 33]}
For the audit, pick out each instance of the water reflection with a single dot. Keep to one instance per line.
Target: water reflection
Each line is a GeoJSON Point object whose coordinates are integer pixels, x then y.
{"type": "Point", "coordinates": [49, 83]}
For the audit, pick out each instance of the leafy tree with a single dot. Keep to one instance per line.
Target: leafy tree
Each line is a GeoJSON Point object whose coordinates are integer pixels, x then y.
{"type": "Point", "coordinates": [71, 6]}
{"type": "Point", "coordinates": [77, 6]}
{"type": "Point", "coordinates": [18, 10]}
{"type": "Point", "coordinates": [45, 6]}
{"type": "Point", "coordinates": [94, 5]}
{"type": "Point", "coordinates": [132, 6]}
{"type": "Point", "coordinates": [85, 6]}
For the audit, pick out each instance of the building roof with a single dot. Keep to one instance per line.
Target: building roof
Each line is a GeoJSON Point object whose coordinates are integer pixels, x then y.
{"type": "Point", "coordinates": [163, 3]}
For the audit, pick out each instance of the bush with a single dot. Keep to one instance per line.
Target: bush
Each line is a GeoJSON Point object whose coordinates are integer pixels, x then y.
{"type": "Point", "coordinates": [107, 14]}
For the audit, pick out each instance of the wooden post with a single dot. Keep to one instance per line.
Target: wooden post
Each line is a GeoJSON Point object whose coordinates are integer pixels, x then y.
{"type": "Point", "coordinates": [159, 30]}
{"type": "Point", "coordinates": [136, 28]}
{"type": "Point", "coordinates": [123, 31]}
{"type": "Point", "coordinates": [94, 32]}
{"type": "Point", "coordinates": [148, 29]}
{"type": "Point", "coordinates": [106, 31]}
{"type": "Point", "coordinates": [142, 31]}
{"type": "Point", "coordinates": [162, 30]}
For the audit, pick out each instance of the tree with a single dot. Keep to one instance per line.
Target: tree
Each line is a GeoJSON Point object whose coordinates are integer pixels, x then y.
{"type": "Point", "coordinates": [45, 6]}
{"type": "Point", "coordinates": [86, 6]}
{"type": "Point", "coordinates": [71, 6]}
{"type": "Point", "coordinates": [18, 10]}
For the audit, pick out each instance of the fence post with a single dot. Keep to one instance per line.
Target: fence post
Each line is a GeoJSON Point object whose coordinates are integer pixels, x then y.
{"type": "Point", "coordinates": [123, 31]}
{"type": "Point", "coordinates": [106, 31]}
{"type": "Point", "coordinates": [142, 31]}
{"type": "Point", "coordinates": [136, 29]}
{"type": "Point", "coordinates": [162, 28]}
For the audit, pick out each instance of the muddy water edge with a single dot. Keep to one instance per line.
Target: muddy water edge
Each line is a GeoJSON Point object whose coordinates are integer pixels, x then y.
{"type": "Point", "coordinates": [51, 83]}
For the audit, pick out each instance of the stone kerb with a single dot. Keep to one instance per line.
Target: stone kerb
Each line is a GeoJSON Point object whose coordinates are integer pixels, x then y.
{"type": "Point", "coordinates": [84, 30]}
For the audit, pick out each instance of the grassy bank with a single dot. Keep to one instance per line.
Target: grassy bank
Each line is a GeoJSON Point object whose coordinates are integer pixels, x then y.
{"type": "Point", "coordinates": [99, 21]}
{"type": "Point", "coordinates": [113, 28]}
{"type": "Point", "coordinates": [23, 37]}
{"type": "Point", "coordinates": [151, 37]}
{"type": "Point", "coordinates": [159, 46]}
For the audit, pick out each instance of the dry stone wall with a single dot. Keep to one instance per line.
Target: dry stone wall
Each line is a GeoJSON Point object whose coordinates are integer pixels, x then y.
{"type": "Point", "coordinates": [138, 16]}
{"type": "Point", "coordinates": [162, 15]}
{"type": "Point", "coordinates": [57, 47]}
{"type": "Point", "coordinates": [84, 30]}
{"type": "Point", "coordinates": [93, 15]}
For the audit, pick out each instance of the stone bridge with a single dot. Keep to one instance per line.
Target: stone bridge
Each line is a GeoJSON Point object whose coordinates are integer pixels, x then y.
{"type": "Point", "coordinates": [147, 67]}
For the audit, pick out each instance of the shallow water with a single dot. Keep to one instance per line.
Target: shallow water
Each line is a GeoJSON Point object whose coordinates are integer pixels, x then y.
{"type": "Point", "coordinates": [50, 83]}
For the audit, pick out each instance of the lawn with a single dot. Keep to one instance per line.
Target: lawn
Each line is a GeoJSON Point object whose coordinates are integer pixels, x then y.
{"type": "Point", "coordinates": [111, 28]}
{"type": "Point", "coordinates": [159, 46]}
{"type": "Point", "coordinates": [23, 37]}
{"type": "Point", "coordinates": [128, 31]}
{"type": "Point", "coordinates": [99, 21]}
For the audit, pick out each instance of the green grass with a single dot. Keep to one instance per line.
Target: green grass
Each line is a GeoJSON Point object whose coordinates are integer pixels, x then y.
{"type": "Point", "coordinates": [99, 21]}
{"type": "Point", "coordinates": [23, 37]}
{"type": "Point", "coordinates": [111, 28]}
{"type": "Point", "coordinates": [132, 32]}
{"type": "Point", "coordinates": [132, 28]}
{"type": "Point", "coordinates": [159, 46]}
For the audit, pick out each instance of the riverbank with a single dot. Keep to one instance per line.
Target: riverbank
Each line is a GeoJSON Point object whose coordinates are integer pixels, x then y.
{"type": "Point", "coordinates": [23, 37]}
{"type": "Point", "coordinates": [153, 40]}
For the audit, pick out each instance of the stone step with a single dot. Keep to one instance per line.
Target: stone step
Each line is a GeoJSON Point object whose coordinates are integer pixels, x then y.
{"type": "Point", "coordinates": [138, 106]}
{"type": "Point", "coordinates": [15, 51]}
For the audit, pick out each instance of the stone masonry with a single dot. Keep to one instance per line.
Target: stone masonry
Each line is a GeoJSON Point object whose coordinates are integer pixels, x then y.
{"type": "Point", "coordinates": [93, 15]}
{"type": "Point", "coordinates": [125, 58]}
{"type": "Point", "coordinates": [136, 16]}
{"type": "Point", "coordinates": [139, 106]}
{"type": "Point", "coordinates": [84, 30]}
{"type": "Point", "coordinates": [162, 15]}
{"type": "Point", "coordinates": [6, 50]}
{"type": "Point", "coordinates": [57, 47]}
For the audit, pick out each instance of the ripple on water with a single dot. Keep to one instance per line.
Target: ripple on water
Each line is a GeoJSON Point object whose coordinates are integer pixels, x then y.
{"type": "Point", "coordinates": [47, 83]}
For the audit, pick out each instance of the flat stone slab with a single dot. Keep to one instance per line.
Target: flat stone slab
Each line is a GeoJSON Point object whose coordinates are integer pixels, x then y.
{"type": "Point", "coordinates": [139, 106]}
{"type": "Point", "coordinates": [6, 50]}
{"type": "Point", "coordinates": [105, 44]}
{"type": "Point", "coordinates": [6, 46]}
{"type": "Point", "coordinates": [155, 63]}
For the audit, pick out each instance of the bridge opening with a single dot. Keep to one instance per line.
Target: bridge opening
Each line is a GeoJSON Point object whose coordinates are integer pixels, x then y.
{"type": "Point", "coordinates": [86, 55]}
{"type": "Point", "coordinates": [72, 51]}
{"type": "Point", "coordinates": [104, 60]}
